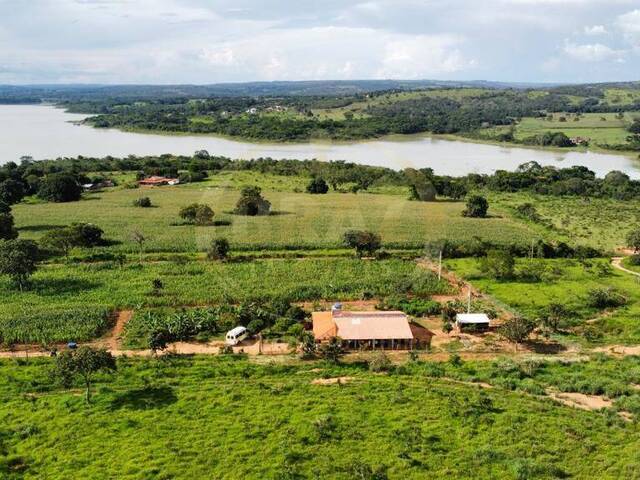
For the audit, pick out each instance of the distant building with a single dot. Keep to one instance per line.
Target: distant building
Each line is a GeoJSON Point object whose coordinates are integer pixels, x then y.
{"type": "Point", "coordinates": [155, 181]}
{"type": "Point", "coordinates": [252, 110]}
{"type": "Point", "coordinates": [363, 330]}
{"type": "Point", "coordinates": [580, 140]}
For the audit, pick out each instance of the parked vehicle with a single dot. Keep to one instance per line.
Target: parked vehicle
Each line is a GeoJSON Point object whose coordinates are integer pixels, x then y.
{"type": "Point", "coordinates": [236, 335]}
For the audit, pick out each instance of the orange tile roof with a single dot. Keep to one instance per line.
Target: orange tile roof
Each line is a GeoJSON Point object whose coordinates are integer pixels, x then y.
{"type": "Point", "coordinates": [323, 325]}
{"type": "Point", "coordinates": [376, 325]}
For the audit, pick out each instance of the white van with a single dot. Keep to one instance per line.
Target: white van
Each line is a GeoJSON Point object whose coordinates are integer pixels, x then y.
{"type": "Point", "coordinates": [236, 335]}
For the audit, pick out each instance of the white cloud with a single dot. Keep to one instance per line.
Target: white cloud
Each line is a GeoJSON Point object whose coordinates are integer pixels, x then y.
{"type": "Point", "coordinates": [206, 41]}
{"type": "Point", "coordinates": [422, 56]}
{"type": "Point", "coordinates": [629, 25]}
{"type": "Point", "coordinates": [595, 52]}
{"type": "Point", "coordinates": [595, 30]}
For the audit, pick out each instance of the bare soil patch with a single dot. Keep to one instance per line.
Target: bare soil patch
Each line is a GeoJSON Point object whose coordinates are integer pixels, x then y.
{"type": "Point", "coordinates": [331, 381]}
{"type": "Point", "coordinates": [581, 400]}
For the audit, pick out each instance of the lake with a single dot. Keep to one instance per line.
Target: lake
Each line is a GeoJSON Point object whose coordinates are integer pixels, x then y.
{"type": "Point", "coordinates": [43, 131]}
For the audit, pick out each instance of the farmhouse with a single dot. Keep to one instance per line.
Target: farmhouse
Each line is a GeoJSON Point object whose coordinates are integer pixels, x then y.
{"type": "Point", "coordinates": [477, 322]}
{"type": "Point", "coordinates": [361, 330]}
{"type": "Point", "coordinates": [158, 181]}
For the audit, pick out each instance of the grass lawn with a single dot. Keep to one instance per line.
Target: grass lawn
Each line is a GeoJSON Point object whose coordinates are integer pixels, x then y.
{"type": "Point", "coordinates": [197, 417]}
{"type": "Point", "coordinates": [299, 219]}
{"type": "Point", "coordinates": [568, 282]}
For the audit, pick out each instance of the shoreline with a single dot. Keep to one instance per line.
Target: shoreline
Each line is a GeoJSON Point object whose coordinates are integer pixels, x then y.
{"type": "Point", "coordinates": [393, 137]}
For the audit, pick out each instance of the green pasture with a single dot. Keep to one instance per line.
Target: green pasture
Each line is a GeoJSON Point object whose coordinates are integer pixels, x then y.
{"type": "Point", "coordinates": [570, 283]}
{"type": "Point", "coordinates": [204, 417]}
{"type": "Point", "coordinates": [601, 128]}
{"type": "Point", "coordinates": [298, 219]}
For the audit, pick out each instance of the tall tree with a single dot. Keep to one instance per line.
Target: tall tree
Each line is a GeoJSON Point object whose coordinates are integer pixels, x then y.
{"type": "Point", "coordinates": [18, 260]}
{"type": "Point", "coordinates": [83, 364]}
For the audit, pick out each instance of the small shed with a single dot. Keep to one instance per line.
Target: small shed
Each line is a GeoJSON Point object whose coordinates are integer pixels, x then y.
{"type": "Point", "coordinates": [477, 322]}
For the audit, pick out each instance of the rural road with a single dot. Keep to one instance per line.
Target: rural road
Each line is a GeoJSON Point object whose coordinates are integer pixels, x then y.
{"type": "Point", "coordinates": [617, 263]}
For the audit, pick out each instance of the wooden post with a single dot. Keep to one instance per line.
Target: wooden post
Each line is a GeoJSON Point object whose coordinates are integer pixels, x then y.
{"type": "Point", "coordinates": [440, 266]}
{"type": "Point", "coordinates": [469, 301]}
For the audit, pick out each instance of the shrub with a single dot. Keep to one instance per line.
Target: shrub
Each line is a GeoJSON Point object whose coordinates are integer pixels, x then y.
{"type": "Point", "coordinates": [219, 249]}
{"type": "Point", "coordinates": [634, 260]}
{"type": "Point", "coordinates": [252, 203]}
{"type": "Point", "coordinates": [633, 240]}
{"type": "Point", "coordinates": [417, 307]}
{"type": "Point", "coordinates": [142, 202]}
{"type": "Point", "coordinates": [602, 298]}
{"type": "Point", "coordinates": [528, 211]}
{"type": "Point", "coordinates": [362, 241]}
{"type": "Point", "coordinates": [498, 264]}
{"type": "Point", "coordinates": [197, 213]}
{"type": "Point", "coordinates": [7, 228]}
{"type": "Point", "coordinates": [317, 185]}
{"type": "Point", "coordinates": [60, 187]}
{"type": "Point", "coordinates": [517, 329]}
{"type": "Point", "coordinates": [11, 191]}
{"type": "Point", "coordinates": [477, 207]}
{"type": "Point", "coordinates": [380, 362]}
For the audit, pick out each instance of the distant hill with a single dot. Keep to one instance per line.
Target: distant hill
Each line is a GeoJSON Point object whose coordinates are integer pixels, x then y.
{"type": "Point", "coordinates": [33, 93]}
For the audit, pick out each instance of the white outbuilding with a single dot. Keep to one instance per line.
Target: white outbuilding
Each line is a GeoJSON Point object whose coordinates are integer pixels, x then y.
{"type": "Point", "coordinates": [472, 321]}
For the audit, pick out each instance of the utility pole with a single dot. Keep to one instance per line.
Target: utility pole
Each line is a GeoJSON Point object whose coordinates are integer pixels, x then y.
{"type": "Point", "coordinates": [440, 266]}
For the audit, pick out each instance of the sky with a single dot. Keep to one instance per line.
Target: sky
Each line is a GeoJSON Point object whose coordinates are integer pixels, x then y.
{"type": "Point", "coordinates": [201, 42]}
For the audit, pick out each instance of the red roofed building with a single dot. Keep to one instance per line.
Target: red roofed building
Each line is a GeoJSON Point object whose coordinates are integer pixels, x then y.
{"type": "Point", "coordinates": [155, 181]}
{"type": "Point", "coordinates": [377, 329]}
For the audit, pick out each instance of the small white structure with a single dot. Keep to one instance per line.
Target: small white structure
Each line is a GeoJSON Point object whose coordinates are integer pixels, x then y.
{"type": "Point", "coordinates": [236, 335]}
{"type": "Point", "coordinates": [475, 321]}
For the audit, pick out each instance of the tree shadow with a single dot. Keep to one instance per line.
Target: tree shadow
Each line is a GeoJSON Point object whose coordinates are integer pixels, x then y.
{"type": "Point", "coordinates": [39, 228]}
{"type": "Point", "coordinates": [61, 286]}
{"type": "Point", "coordinates": [144, 398]}
{"type": "Point", "coordinates": [548, 348]}
{"type": "Point", "coordinates": [277, 213]}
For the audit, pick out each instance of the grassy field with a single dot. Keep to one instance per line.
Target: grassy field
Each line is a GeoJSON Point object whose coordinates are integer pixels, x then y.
{"type": "Point", "coordinates": [570, 283]}
{"type": "Point", "coordinates": [621, 96]}
{"type": "Point", "coordinates": [357, 109]}
{"type": "Point", "coordinates": [196, 417]}
{"type": "Point", "coordinates": [599, 222]}
{"type": "Point", "coordinates": [298, 219]}
{"type": "Point", "coordinates": [611, 130]}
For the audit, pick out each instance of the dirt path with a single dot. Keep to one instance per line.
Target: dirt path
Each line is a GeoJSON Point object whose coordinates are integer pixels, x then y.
{"type": "Point", "coordinates": [115, 338]}
{"type": "Point", "coordinates": [617, 263]}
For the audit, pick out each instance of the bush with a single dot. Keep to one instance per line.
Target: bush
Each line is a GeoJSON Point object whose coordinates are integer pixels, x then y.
{"type": "Point", "coordinates": [60, 187]}
{"type": "Point", "coordinates": [602, 298]}
{"type": "Point", "coordinates": [218, 250]}
{"type": "Point", "coordinates": [634, 260]}
{"type": "Point", "coordinates": [252, 203]}
{"type": "Point", "coordinates": [417, 307]}
{"type": "Point", "coordinates": [197, 213]}
{"type": "Point", "coordinates": [143, 202]}
{"type": "Point", "coordinates": [380, 362]}
{"type": "Point", "coordinates": [7, 228]}
{"type": "Point", "coordinates": [362, 241]}
{"type": "Point", "coordinates": [317, 185]}
{"type": "Point", "coordinates": [498, 264]}
{"type": "Point", "coordinates": [477, 207]}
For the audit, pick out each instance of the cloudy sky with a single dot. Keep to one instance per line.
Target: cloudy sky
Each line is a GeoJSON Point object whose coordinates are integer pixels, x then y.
{"type": "Point", "coordinates": [198, 41]}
